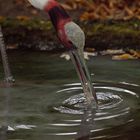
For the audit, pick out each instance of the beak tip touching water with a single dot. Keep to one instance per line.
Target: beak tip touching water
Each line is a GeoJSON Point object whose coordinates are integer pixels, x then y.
{"type": "Point", "coordinates": [71, 36]}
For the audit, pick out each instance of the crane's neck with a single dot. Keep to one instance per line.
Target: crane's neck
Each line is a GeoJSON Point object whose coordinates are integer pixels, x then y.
{"type": "Point", "coordinates": [58, 15]}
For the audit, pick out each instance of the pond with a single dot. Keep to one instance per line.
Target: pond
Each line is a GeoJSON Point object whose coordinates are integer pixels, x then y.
{"type": "Point", "coordinates": [46, 102]}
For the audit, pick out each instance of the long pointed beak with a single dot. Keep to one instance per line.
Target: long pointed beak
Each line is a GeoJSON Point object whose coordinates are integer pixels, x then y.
{"type": "Point", "coordinates": [84, 77]}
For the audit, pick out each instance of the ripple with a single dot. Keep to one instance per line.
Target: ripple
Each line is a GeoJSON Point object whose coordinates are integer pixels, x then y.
{"type": "Point", "coordinates": [62, 112]}
{"type": "Point", "coordinates": [108, 97]}
{"type": "Point", "coordinates": [116, 102]}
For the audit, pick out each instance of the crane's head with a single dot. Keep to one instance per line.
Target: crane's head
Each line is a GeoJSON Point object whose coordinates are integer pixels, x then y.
{"type": "Point", "coordinates": [69, 33]}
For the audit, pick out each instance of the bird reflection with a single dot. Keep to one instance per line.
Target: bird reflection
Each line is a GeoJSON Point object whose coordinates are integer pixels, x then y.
{"type": "Point", "coordinates": [4, 125]}
{"type": "Point", "coordinates": [87, 124]}
{"type": "Point", "coordinates": [3, 133]}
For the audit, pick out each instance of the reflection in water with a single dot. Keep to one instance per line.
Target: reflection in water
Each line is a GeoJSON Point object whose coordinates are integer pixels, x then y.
{"type": "Point", "coordinates": [3, 133]}
{"type": "Point", "coordinates": [87, 124]}
{"type": "Point", "coordinates": [69, 117]}
{"type": "Point", "coordinates": [115, 105]}
{"type": "Point", "coordinates": [45, 108]}
{"type": "Point", "coordinates": [6, 112]}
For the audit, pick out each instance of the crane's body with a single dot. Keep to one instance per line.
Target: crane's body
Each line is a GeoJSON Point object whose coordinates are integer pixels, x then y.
{"type": "Point", "coordinates": [73, 39]}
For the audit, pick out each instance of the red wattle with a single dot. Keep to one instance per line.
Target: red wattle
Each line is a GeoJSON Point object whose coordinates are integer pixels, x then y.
{"type": "Point", "coordinates": [62, 23]}
{"type": "Point", "coordinates": [64, 38]}
{"type": "Point", "coordinates": [57, 13]}
{"type": "Point", "coordinates": [59, 18]}
{"type": "Point", "coordinates": [50, 4]}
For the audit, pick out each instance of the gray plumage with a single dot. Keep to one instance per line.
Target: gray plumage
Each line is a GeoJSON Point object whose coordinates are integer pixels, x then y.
{"type": "Point", "coordinates": [76, 35]}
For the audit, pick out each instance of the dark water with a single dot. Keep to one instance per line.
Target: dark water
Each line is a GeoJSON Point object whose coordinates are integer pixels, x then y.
{"type": "Point", "coordinates": [47, 102]}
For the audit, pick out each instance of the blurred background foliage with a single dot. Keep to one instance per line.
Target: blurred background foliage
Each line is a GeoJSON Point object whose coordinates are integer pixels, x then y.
{"type": "Point", "coordinates": [105, 9]}
{"type": "Point", "coordinates": [82, 9]}
{"type": "Point", "coordinates": [108, 24]}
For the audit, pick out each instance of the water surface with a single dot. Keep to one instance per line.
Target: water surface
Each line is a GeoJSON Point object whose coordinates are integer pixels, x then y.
{"type": "Point", "coordinates": [47, 101]}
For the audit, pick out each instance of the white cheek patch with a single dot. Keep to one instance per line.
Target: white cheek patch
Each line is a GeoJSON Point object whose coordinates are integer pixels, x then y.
{"type": "Point", "coordinates": [40, 4]}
